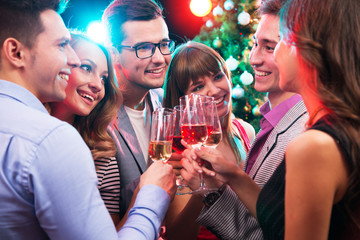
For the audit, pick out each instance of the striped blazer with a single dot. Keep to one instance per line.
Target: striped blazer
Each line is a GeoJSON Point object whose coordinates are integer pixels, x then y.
{"type": "Point", "coordinates": [228, 218]}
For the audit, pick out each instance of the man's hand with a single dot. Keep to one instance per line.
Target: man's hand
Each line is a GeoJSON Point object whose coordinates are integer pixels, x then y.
{"type": "Point", "coordinates": [174, 161]}
{"type": "Point", "coordinates": [162, 175]}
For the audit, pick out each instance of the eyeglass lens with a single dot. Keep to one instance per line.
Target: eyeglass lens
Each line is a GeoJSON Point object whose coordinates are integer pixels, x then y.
{"type": "Point", "coordinates": [148, 49]}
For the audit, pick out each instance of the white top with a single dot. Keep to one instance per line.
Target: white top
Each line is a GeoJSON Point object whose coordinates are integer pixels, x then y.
{"type": "Point", "coordinates": [141, 121]}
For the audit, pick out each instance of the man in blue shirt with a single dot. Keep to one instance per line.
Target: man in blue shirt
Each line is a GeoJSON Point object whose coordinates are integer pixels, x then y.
{"type": "Point", "coordinates": [48, 184]}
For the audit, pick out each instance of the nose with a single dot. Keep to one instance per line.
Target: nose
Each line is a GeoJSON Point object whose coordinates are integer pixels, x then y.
{"type": "Point", "coordinates": [96, 84]}
{"type": "Point", "coordinates": [158, 57]}
{"type": "Point", "coordinates": [255, 56]}
{"type": "Point", "coordinates": [72, 58]}
{"type": "Point", "coordinates": [212, 89]}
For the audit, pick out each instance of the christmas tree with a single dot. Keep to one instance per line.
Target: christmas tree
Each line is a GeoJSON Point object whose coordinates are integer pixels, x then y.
{"type": "Point", "coordinates": [229, 29]}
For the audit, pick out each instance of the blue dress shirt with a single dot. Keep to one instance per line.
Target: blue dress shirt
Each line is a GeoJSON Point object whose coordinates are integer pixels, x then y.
{"type": "Point", "coordinates": [48, 184]}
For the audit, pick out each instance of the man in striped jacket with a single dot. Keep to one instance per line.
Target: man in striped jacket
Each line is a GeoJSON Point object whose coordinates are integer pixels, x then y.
{"type": "Point", "coordinates": [284, 117]}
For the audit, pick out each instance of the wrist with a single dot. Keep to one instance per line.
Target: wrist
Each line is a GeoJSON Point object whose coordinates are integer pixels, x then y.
{"type": "Point", "coordinates": [211, 197]}
{"type": "Point", "coordinates": [236, 177]}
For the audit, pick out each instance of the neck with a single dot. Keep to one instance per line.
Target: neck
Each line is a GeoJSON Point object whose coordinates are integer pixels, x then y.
{"type": "Point", "coordinates": [315, 107]}
{"type": "Point", "coordinates": [275, 98]}
{"type": "Point", "coordinates": [134, 101]}
{"type": "Point", "coordinates": [59, 111]}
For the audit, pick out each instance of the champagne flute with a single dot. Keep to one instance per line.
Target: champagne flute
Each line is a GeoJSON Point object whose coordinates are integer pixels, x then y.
{"type": "Point", "coordinates": [161, 134]}
{"type": "Point", "coordinates": [193, 122]}
{"type": "Point", "coordinates": [176, 145]}
{"type": "Point", "coordinates": [193, 127]}
{"type": "Point", "coordinates": [213, 125]}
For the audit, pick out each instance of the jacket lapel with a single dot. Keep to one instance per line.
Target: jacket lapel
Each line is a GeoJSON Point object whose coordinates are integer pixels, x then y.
{"type": "Point", "coordinates": [127, 132]}
{"type": "Point", "coordinates": [287, 121]}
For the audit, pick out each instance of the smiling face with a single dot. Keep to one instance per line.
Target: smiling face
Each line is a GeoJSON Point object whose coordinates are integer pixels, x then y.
{"type": "Point", "coordinates": [51, 60]}
{"type": "Point", "coordinates": [146, 73]}
{"type": "Point", "coordinates": [86, 83]}
{"type": "Point", "coordinates": [217, 86]}
{"type": "Point", "coordinates": [262, 58]}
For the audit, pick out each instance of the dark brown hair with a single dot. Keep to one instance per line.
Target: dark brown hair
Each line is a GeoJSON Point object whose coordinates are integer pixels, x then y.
{"type": "Point", "coordinates": [326, 35]}
{"type": "Point", "coordinates": [271, 7]}
{"type": "Point", "coordinates": [121, 11]}
{"type": "Point", "coordinates": [20, 19]}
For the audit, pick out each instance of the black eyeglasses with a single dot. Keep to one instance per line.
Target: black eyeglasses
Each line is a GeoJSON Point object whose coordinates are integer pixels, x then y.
{"type": "Point", "coordinates": [147, 49]}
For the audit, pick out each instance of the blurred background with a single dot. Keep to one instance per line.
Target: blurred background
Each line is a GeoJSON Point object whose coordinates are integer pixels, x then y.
{"type": "Point", "coordinates": [181, 22]}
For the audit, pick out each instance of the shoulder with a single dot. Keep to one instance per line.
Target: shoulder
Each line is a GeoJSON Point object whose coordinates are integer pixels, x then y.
{"type": "Point", "coordinates": [313, 143]}
{"type": "Point", "coordinates": [315, 151]}
{"type": "Point", "coordinates": [314, 158]}
{"type": "Point", "coordinates": [249, 129]}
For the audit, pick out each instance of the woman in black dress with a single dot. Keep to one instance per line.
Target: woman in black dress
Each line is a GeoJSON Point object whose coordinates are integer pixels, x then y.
{"type": "Point", "coordinates": [315, 192]}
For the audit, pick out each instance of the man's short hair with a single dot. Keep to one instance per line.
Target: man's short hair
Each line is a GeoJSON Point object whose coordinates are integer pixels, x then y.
{"type": "Point", "coordinates": [271, 7]}
{"type": "Point", "coordinates": [20, 19]}
{"type": "Point", "coordinates": [121, 11]}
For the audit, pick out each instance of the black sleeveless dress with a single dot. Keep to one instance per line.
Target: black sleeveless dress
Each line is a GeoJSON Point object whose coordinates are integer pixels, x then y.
{"type": "Point", "coordinates": [270, 204]}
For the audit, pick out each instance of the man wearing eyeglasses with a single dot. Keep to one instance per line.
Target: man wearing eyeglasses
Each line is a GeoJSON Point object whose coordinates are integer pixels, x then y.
{"type": "Point", "coordinates": [140, 41]}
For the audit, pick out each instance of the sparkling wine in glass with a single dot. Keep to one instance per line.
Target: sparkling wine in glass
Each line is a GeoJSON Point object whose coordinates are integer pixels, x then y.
{"type": "Point", "coordinates": [213, 125]}
{"type": "Point", "coordinates": [193, 121]}
{"type": "Point", "coordinates": [194, 126]}
{"type": "Point", "coordinates": [161, 136]}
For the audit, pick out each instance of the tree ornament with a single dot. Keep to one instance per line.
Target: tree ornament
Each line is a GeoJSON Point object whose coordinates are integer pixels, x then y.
{"type": "Point", "coordinates": [237, 92]}
{"type": "Point", "coordinates": [217, 43]}
{"type": "Point", "coordinates": [209, 23]}
{"type": "Point", "coordinates": [228, 5]}
{"type": "Point", "coordinates": [244, 18]}
{"type": "Point", "coordinates": [246, 78]}
{"type": "Point", "coordinates": [218, 11]}
{"type": "Point", "coordinates": [256, 111]}
{"type": "Point", "coordinates": [232, 63]}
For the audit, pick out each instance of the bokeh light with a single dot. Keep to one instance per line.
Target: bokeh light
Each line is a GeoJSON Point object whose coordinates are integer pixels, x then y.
{"type": "Point", "coordinates": [96, 31]}
{"type": "Point", "coordinates": [200, 8]}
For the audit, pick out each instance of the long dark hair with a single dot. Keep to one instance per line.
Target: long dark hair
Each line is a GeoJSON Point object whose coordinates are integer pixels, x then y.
{"type": "Point", "coordinates": [326, 34]}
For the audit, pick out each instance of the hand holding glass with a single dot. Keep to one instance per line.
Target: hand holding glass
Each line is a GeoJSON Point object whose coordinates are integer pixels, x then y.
{"type": "Point", "coordinates": [193, 126]}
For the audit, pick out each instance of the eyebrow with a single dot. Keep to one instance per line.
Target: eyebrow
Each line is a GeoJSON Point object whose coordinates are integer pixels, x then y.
{"type": "Point", "coordinates": [94, 64]}
{"type": "Point", "coordinates": [265, 40]}
{"type": "Point", "coordinates": [90, 61]}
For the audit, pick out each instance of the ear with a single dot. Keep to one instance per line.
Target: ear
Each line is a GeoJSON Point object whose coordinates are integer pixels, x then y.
{"type": "Point", "coordinates": [14, 52]}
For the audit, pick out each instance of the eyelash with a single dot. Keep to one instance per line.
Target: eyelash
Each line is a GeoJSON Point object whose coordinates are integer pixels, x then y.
{"type": "Point", "coordinates": [86, 67]}
{"type": "Point", "coordinates": [266, 47]}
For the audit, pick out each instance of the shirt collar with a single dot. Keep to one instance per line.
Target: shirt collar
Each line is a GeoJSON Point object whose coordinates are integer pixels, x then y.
{"type": "Point", "coordinates": [273, 116]}
{"type": "Point", "coordinates": [21, 94]}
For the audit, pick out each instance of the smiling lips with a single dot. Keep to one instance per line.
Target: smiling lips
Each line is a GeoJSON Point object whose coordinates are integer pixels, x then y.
{"type": "Point", "coordinates": [156, 71]}
{"type": "Point", "coordinates": [217, 101]}
{"type": "Point", "coordinates": [87, 96]}
{"type": "Point", "coordinates": [261, 74]}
